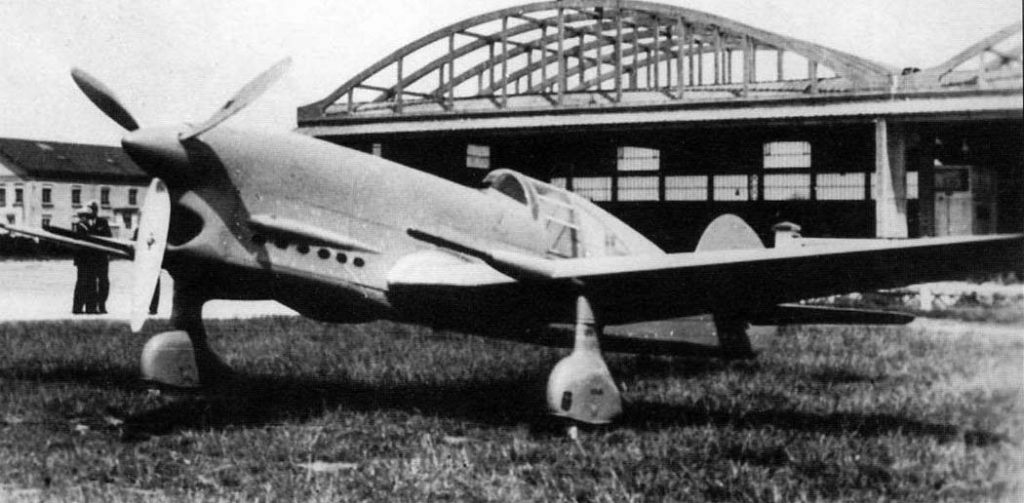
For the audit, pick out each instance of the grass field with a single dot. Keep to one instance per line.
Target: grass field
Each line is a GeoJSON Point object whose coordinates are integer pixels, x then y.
{"type": "Point", "coordinates": [387, 412]}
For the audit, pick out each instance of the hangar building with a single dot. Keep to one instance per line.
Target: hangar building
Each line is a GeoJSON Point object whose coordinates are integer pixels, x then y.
{"type": "Point", "coordinates": [668, 117]}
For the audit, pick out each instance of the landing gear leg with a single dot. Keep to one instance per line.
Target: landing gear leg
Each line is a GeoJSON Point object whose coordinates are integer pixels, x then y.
{"type": "Point", "coordinates": [182, 358]}
{"type": "Point", "coordinates": [580, 386]}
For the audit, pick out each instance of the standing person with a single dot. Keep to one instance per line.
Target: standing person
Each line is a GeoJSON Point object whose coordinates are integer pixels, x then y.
{"type": "Point", "coordinates": [154, 302]}
{"type": "Point", "coordinates": [93, 286]}
{"type": "Point", "coordinates": [83, 296]}
{"type": "Point", "coordinates": [101, 228]}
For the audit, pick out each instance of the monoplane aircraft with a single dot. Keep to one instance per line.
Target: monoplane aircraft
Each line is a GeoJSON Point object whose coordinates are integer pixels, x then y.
{"type": "Point", "coordinates": [344, 236]}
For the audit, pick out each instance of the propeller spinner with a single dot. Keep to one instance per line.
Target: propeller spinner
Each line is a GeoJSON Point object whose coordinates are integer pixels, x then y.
{"type": "Point", "coordinates": [160, 152]}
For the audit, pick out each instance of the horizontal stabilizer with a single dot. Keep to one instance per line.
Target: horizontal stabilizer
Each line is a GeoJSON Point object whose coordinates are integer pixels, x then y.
{"type": "Point", "coordinates": [314, 234]}
{"type": "Point", "coordinates": [795, 314]}
{"type": "Point", "coordinates": [110, 247]}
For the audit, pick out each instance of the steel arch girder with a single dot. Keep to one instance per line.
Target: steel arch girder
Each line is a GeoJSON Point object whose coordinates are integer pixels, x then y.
{"type": "Point", "coordinates": [852, 67]}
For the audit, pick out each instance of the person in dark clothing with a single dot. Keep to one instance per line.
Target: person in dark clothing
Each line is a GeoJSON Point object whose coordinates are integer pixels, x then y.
{"type": "Point", "coordinates": [154, 302]}
{"type": "Point", "coordinates": [92, 286]}
{"type": "Point", "coordinates": [81, 297]}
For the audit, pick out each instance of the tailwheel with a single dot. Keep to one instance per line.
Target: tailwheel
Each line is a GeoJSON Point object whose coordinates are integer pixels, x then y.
{"type": "Point", "coordinates": [733, 339]}
{"type": "Point", "coordinates": [580, 386]}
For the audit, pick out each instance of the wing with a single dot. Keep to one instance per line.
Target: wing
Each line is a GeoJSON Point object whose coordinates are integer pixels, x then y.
{"type": "Point", "coordinates": [71, 239]}
{"type": "Point", "coordinates": [636, 288]}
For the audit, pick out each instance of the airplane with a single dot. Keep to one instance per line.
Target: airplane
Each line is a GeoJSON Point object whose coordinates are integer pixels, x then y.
{"type": "Point", "coordinates": [343, 236]}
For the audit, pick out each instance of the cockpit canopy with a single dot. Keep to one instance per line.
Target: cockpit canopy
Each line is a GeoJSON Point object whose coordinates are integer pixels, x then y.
{"type": "Point", "coordinates": [574, 226]}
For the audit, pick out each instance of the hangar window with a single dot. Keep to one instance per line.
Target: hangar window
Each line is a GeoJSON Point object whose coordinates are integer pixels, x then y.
{"type": "Point", "coordinates": [787, 154]}
{"type": "Point", "coordinates": [686, 188]}
{"type": "Point", "coordinates": [839, 186]}
{"type": "Point", "coordinates": [597, 188]}
{"type": "Point", "coordinates": [732, 188]}
{"type": "Point", "coordinates": [638, 188]}
{"type": "Point", "coordinates": [786, 187]}
{"type": "Point", "coordinates": [912, 185]}
{"type": "Point", "coordinates": [638, 159]}
{"type": "Point", "coordinates": [478, 156]}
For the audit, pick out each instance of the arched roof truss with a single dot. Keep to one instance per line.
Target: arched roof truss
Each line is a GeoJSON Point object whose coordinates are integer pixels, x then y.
{"type": "Point", "coordinates": [993, 61]}
{"type": "Point", "coordinates": [548, 53]}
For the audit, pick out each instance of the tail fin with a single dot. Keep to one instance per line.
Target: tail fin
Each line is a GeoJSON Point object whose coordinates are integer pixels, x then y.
{"type": "Point", "coordinates": [728, 232]}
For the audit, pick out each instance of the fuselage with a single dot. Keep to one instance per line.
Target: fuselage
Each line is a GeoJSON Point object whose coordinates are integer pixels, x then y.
{"type": "Point", "coordinates": [235, 176]}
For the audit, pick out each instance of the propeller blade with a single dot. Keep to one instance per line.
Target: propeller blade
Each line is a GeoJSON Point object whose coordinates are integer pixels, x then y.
{"type": "Point", "coordinates": [241, 99]}
{"type": "Point", "coordinates": [104, 99]}
{"type": "Point", "coordinates": [149, 250]}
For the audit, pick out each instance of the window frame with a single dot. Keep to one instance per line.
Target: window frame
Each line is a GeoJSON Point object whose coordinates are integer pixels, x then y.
{"type": "Point", "coordinates": [779, 158]}
{"type": "Point", "coordinates": [46, 196]}
{"type": "Point", "coordinates": [478, 156]}
{"type": "Point", "coordinates": [628, 159]}
{"type": "Point", "coordinates": [105, 197]}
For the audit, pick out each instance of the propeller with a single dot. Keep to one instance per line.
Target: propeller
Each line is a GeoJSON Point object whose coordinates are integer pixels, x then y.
{"type": "Point", "coordinates": [107, 102]}
{"type": "Point", "coordinates": [246, 95]}
{"type": "Point", "coordinates": [150, 244]}
{"type": "Point", "coordinates": [104, 99]}
{"type": "Point", "coordinates": [162, 151]}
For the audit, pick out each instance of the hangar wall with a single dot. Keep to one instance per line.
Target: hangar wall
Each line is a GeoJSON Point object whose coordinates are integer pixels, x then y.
{"type": "Point", "coordinates": [831, 196]}
{"type": "Point", "coordinates": [669, 116]}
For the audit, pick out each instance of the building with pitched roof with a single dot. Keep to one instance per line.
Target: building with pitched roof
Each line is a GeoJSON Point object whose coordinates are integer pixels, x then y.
{"type": "Point", "coordinates": [46, 183]}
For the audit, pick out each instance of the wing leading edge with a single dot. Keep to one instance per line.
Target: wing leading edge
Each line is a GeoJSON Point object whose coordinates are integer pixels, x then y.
{"type": "Point", "coordinates": [113, 247]}
{"type": "Point", "coordinates": [637, 288]}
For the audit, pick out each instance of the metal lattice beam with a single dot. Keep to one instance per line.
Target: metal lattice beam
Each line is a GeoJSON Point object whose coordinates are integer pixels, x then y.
{"type": "Point", "coordinates": [592, 34]}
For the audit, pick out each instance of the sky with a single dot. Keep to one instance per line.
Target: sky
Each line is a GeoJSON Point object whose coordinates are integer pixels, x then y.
{"type": "Point", "coordinates": [173, 61]}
